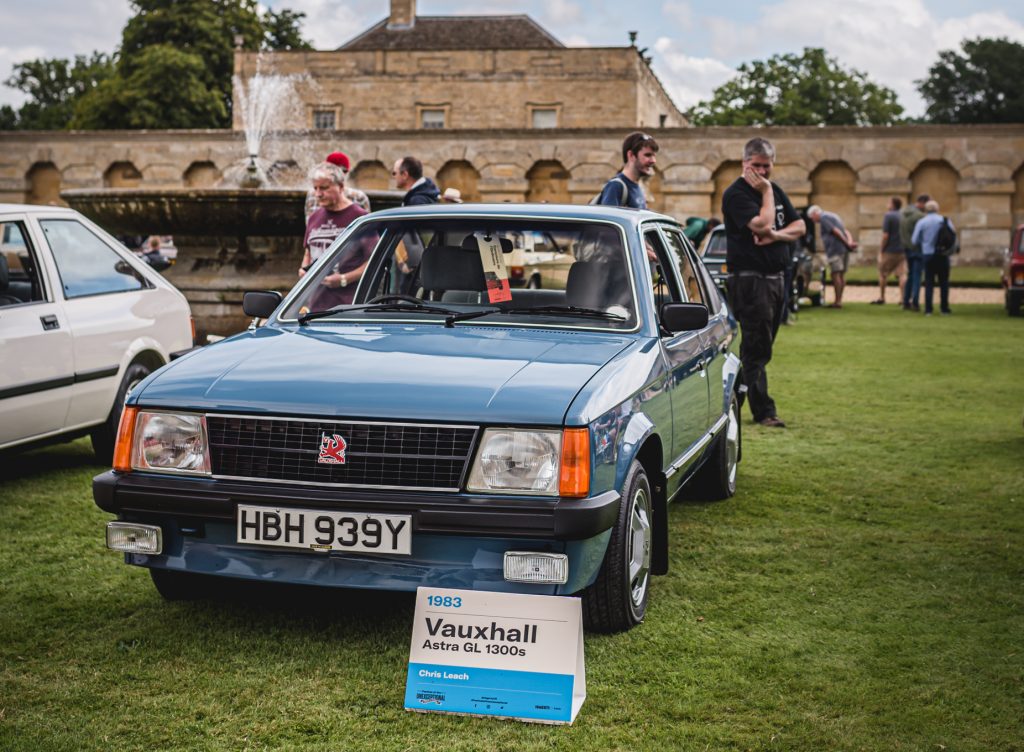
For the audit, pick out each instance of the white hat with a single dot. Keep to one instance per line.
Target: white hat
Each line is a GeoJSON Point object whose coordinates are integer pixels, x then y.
{"type": "Point", "coordinates": [453, 195]}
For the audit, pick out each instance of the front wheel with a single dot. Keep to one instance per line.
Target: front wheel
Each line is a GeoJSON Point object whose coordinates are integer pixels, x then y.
{"type": "Point", "coordinates": [105, 434]}
{"type": "Point", "coordinates": [179, 586]}
{"type": "Point", "coordinates": [617, 600]}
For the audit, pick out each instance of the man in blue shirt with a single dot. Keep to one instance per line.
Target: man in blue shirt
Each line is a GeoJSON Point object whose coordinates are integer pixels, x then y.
{"type": "Point", "coordinates": [936, 265]}
{"type": "Point", "coordinates": [638, 157]}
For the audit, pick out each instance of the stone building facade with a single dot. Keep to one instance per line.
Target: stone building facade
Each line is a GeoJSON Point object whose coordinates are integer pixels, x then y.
{"type": "Point", "coordinates": [524, 118]}
{"type": "Point", "coordinates": [414, 72]}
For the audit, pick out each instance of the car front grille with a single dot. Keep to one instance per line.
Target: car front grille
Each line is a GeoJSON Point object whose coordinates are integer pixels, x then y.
{"type": "Point", "coordinates": [377, 455]}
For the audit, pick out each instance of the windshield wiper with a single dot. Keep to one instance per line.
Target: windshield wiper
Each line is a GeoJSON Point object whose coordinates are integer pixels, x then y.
{"type": "Point", "coordinates": [557, 310]}
{"type": "Point", "coordinates": [391, 304]}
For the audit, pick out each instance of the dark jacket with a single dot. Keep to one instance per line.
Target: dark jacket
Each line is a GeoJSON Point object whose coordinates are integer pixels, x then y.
{"type": "Point", "coordinates": [424, 193]}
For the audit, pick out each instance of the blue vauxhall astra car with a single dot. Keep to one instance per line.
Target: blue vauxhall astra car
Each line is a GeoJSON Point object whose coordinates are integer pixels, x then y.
{"type": "Point", "coordinates": [404, 417]}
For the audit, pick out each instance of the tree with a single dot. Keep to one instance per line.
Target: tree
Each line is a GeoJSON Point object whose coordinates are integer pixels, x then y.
{"type": "Point", "coordinates": [807, 89]}
{"type": "Point", "coordinates": [172, 70]}
{"type": "Point", "coordinates": [53, 87]}
{"type": "Point", "coordinates": [983, 85]}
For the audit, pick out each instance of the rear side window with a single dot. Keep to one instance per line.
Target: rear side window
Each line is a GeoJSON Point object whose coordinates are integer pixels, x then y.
{"type": "Point", "coordinates": [21, 278]}
{"type": "Point", "coordinates": [86, 264]}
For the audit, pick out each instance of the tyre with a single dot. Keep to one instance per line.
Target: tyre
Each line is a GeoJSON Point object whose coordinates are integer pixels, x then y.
{"type": "Point", "coordinates": [716, 478]}
{"type": "Point", "coordinates": [105, 434]}
{"type": "Point", "coordinates": [617, 600]}
{"type": "Point", "coordinates": [179, 586]}
{"type": "Point", "coordinates": [1013, 304]}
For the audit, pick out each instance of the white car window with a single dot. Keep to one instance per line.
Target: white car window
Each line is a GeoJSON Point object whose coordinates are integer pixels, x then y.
{"type": "Point", "coordinates": [86, 264]}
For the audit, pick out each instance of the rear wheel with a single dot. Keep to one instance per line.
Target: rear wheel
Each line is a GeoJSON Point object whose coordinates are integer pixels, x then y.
{"type": "Point", "coordinates": [716, 479]}
{"type": "Point", "coordinates": [105, 434]}
{"type": "Point", "coordinates": [179, 586]}
{"type": "Point", "coordinates": [1013, 304]}
{"type": "Point", "coordinates": [618, 598]}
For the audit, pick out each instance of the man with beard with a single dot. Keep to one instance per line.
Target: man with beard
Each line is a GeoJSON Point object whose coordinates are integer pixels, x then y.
{"type": "Point", "coordinates": [638, 157]}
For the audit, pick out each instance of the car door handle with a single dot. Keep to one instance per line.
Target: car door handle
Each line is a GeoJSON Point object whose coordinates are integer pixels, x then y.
{"type": "Point", "coordinates": [49, 322]}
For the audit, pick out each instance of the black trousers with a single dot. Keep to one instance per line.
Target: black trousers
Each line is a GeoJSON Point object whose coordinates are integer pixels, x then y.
{"type": "Point", "coordinates": [756, 303]}
{"type": "Point", "coordinates": [936, 272]}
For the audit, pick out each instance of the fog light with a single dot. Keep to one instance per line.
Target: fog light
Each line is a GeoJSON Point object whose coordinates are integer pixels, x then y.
{"type": "Point", "coordinates": [133, 538]}
{"type": "Point", "coordinates": [531, 566]}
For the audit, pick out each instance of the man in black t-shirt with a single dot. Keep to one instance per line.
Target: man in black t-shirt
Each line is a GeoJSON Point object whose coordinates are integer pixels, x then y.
{"type": "Point", "coordinates": [760, 223]}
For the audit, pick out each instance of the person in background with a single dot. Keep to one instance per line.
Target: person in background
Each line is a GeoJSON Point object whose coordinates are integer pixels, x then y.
{"type": "Point", "coordinates": [335, 213]}
{"type": "Point", "coordinates": [408, 175]}
{"type": "Point", "coordinates": [936, 264]}
{"type": "Point", "coordinates": [891, 255]}
{"type": "Point", "coordinates": [760, 224]}
{"type": "Point", "coordinates": [838, 243]}
{"type": "Point", "coordinates": [353, 194]}
{"type": "Point", "coordinates": [639, 155]}
{"type": "Point", "coordinates": [909, 217]}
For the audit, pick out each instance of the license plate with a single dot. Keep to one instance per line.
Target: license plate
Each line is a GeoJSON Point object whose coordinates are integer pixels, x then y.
{"type": "Point", "coordinates": [318, 530]}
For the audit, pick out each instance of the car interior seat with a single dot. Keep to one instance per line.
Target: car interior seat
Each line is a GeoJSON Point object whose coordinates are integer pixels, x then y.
{"type": "Point", "coordinates": [6, 298]}
{"type": "Point", "coordinates": [452, 274]}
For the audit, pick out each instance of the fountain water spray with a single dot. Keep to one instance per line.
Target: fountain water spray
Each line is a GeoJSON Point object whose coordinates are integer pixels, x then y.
{"type": "Point", "coordinates": [266, 103]}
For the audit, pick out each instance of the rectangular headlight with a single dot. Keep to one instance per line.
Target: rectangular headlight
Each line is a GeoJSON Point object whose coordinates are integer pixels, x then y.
{"type": "Point", "coordinates": [511, 460]}
{"type": "Point", "coordinates": [171, 443]}
{"type": "Point", "coordinates": [133, 538]}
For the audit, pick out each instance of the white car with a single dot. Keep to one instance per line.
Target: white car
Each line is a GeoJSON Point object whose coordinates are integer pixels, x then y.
{"type": "Point", "coordinates": [82, 320]}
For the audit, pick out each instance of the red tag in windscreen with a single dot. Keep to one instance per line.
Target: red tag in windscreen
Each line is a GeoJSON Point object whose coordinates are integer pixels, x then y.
{"type": "Point", "coordinates": [495, 273]}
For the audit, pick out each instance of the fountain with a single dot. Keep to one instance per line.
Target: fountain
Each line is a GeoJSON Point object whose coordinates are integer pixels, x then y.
{"type": "Point", "coordinates": [245, 233]}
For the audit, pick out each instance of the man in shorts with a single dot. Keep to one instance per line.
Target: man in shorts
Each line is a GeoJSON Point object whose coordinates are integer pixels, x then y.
{"type": "Point", "coordinates": [838, 243]}
{"type": "Point", "coordinates": [891, 256]}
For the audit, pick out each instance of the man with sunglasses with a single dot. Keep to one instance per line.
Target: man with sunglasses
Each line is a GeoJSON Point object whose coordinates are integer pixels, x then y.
{"type": "Point", "coordinates": [638, 159]}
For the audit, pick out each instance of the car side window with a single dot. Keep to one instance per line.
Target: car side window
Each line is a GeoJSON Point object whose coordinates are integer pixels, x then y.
{"type": "Point", "coordinates": [666, 287]}
{"type": "Point", "coordinates": [21, 279]}
{"type": "Point", "coordinates": [695, 277]}
{"type": "Point", "coordinates": [86, 264]}
{"type": "Point", "coordinates": [687, 271]}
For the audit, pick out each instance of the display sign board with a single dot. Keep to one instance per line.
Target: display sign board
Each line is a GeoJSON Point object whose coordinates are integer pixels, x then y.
{"type": "Point", "coordinates": [496, 654]}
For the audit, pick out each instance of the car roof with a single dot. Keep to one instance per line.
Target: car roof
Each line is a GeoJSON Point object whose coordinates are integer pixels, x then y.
{"type": "Point", "coordinates": [572, 212]}
{"type": "Point", "coordinates": [34, 209]}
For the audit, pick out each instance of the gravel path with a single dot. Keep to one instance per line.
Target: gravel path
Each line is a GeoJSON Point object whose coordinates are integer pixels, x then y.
{"type": "Point", "coordinates": [866, 293]}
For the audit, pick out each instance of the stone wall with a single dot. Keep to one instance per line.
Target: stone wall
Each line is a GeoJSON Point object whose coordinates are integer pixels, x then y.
{"type": "Point", "coordinates": [975, 172]}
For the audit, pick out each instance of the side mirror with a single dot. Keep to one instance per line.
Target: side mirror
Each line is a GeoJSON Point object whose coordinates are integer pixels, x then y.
{"type": "Point", "coordinates": [683, 317]}
{"type": "Point", "coordinates": [261, 304]}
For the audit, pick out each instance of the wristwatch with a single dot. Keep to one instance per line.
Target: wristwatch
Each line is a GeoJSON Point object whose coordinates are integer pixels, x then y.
{"type": "Point", "coordinates": [344, 281]}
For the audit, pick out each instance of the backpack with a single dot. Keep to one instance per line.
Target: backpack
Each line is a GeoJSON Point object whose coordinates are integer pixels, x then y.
{"type": "Point", "coordinates": [622, 199]}
{"type": "Point", "coordinates": [945, 241]}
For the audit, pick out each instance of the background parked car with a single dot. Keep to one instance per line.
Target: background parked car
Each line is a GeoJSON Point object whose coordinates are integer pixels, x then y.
{"type": "Point", "coordinates": [82, 320]}
{"type": "Point", "coordinates": [713, 255]}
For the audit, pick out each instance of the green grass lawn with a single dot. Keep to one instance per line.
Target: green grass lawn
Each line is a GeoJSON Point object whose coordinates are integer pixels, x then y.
{"type": "Point", "coordinates": [864, 590]}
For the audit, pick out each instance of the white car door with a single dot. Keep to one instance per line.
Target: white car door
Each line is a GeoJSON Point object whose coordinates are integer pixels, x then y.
{"type": "Point", "coordinates": [109, 304]}
{"type": "Point", "coordinates": [37, 366]}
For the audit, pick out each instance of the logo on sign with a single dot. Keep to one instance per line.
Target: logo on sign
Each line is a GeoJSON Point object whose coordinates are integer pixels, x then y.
{"type": "Point", "coordinates": [332, 449]}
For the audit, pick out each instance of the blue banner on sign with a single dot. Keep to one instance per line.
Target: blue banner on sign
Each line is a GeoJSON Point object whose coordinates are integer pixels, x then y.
{"type": "Point", "coordinates": [484, 691]}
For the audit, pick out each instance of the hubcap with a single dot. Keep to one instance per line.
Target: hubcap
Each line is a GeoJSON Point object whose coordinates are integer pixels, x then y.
{"type": "Point", "coordinates": [639, 546]}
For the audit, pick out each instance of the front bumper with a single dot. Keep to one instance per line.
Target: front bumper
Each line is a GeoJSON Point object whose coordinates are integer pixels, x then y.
{"type": "Point", "coordinates": [459, 540]}
{"type": "Point", "coordinates": [442, 513]}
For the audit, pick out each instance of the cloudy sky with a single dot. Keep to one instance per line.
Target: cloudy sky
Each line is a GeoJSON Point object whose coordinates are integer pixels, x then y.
{"type": "Point", "coordinates": [696, 44]}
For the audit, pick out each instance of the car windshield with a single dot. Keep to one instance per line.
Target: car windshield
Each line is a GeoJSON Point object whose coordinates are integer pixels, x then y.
{"type": "Point", "coordinates": [489, 270]}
